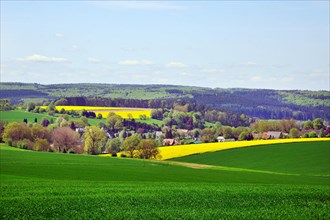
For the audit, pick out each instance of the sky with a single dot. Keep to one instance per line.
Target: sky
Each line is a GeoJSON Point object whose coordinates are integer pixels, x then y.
{"type": "Point", "coordinates": [217, 44]}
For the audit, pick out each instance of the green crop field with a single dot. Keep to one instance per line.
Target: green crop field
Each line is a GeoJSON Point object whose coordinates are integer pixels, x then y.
{"type": "Point", "coordinates": [17, 115]}
{"type": "Point", "coordinates": [311, 158]}
{"type": "Point", "coordinates": [37, 185]}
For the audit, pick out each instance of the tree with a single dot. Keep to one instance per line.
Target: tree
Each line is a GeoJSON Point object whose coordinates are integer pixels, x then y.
{"type": "Point", "coordinates": [94, 139]}
{"type": "Point", "coordinates": [143, 117]}
{"type": "Point", "coordinates": [312, 134]}
{"type": "Point", "coordinates": [318, 123]}
{"type": "Point", "coordinates": [113, 145]}
{"type": "Point", "coordinates": [41, 145]}
{"type": "Point", "coordinates": [147, 149]}
{"type": "Point", "coordinates": [65, 139]}
{"type": "Point", "coordinates": [16, 131]}
{"type": "Point", "coordinates": [99, 116]}
{"type": "Point", "coordinates": [44, 122]}
{"type": "Point", "coordinates": [245, 135]}
{"type": "Point", "coordinates": [321, 134]}
{"type": "Point", "coordinates": [30, 106]}
{"type": "Point", "coordinates": [294, 133]}
{"type": "Point", "coordinates": [35, 120]}
{"type": "Point", "coordinates": [131, 144]}
{"type": "Point", "coordinates": [207, 135]}
{"type": "Point", "coordinates": [40, 132]}
{"type": "Point", "coordinates": [61, 102]}
{"type": "Point", "coordinates": [114, 121]}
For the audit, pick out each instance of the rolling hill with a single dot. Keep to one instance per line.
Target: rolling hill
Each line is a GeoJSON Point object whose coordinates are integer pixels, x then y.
{"type": "Point", "coordinates": [63, 186]}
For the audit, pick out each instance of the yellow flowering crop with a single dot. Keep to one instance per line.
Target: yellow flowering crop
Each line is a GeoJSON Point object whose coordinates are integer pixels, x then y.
{"type": "Point", "coordinates": [184, 150]}
{"type": "Point", "coordinates": [123, 112]}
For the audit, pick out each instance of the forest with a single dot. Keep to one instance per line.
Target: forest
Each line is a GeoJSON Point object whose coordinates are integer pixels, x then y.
{"type": "Point", "coordinates": [259, 103]}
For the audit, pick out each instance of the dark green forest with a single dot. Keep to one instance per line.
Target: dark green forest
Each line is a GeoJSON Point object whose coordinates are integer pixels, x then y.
{"type": "Point", "coordinates": [261, 103]}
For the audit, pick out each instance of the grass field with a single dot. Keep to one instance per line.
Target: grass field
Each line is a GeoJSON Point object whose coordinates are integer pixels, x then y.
{"type": "Point", "coordinates": [185, 150]}
{"type": "Point", "coordinates": [37, 185]}
{"type": "Point", "coordinates": [311, 158]}
{"type": "Point", "coordinates": [18, 115]}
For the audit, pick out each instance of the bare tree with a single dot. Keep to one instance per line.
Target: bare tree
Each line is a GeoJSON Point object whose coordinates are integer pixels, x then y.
{"type": "Point", "coordinates": [65, 139]}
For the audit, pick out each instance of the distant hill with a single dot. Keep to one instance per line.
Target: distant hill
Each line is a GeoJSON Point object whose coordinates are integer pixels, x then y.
{"type": "Point", "coordinates": [262, 103]}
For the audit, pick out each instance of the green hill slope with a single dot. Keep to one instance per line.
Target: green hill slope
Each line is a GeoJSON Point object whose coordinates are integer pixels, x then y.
{"type": "Point", "coordinates": [311, 158]}
{"type": "Point", "coordinates": [36, 185]}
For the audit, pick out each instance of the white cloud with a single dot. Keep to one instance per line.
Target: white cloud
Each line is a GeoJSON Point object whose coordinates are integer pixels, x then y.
{"type": "Point", "coordinates": [135, 62]}
{"type": "Point", "coordinates": [287, 79]}
{"type": "Point", "coordinates": [73, 48]}
{"type": "Point", "coordinates": [41, 58]}
{"type": "Point", "coordinates": [176, 65]}
{"type": "Point", "coordinates": [139, 5]}
{"type": "Point", "coordinates": [248, 63]}
{"type": "Point", "coordinates": [212, 70]}
{"type": "Point", "coordinates": [93, 60]}
{"type": "Point", "coordinates": [59, 35]}
{"type": "Point", "coordinates": [184, 74]}
{"type": "Point", "coordinates": [256, 78]}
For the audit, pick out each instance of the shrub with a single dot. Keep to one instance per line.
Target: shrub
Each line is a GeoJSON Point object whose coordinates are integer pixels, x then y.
{"type": "Point", "coordinates": [41, 145]}
{"type": "Point", "coordinates": [24, 144]}
{"type": "Point", "coordinates": [114, 154]}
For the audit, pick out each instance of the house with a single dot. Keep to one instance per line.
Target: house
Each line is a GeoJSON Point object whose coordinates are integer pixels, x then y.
{"type": "Point", "coordinates": [80, 130]}
{"type": "Point", "coordinates": [158, 134]}
{"type": "Point", "coordinates": [185, 132]}
{"type": "Point", "coordinates": [170, 142]}
{"type": "Point", "coordinates": [221, 139]}
{"type": "Point", "coordinates": [259, 136]}
{"type": "Point", "coordinates": [274, 134]}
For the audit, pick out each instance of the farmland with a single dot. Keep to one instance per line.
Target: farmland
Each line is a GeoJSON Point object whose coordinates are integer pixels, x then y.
{"type": "Point", "coordinates": [308, 158]}
{"type": "Point", "coordinates": [185, 150]}
{"type": "Point", "coordinates": [47, 185]}
{"type": "Point", "coordinates": [104, 111]}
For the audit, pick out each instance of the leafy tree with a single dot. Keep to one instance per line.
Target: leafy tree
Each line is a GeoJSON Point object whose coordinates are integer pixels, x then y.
{"type": "Point", "coordinates": [306, 135]}
{"type": "Point", "coordinates": [318, 123]}
{"type": "Point", "coordinates": [312, 134]}
{"type": "Point", "coordinates": [61, 102]}
{"type": "Point", "coordinates": [39, 132]}
{"type": "Point", "coordinates": [245, 135]}
{"type": "Point", "coordinates": [30, 106]}
{"type": "Point", "coordinates": [16, 131]}
{"type": "Point", "coordinates": [113, 145]}
{"type": "Point", "coordinates": [62, 111]}
{"type": "Point", "coordinates": [131, 144]}
{"type": "Point", "coordinates": [99, 116]}
{"type": "Point", "coordinates": [147, 149]}
{"type": "Point", "coordinates": [208, 135]}
{"type": "Point", "coordinates": [64, 139]}
{"type": "Point", "coordinates": [321, 134]}
{"type": "Point", "coordinates": [2, 128]}
{"type": "Point", "coordinates": [94, 139]}
{"type": "Point", "coordinates": [294, 133]}
{"type": "Point", "coordinates": [227, 132]}
{"type": "Point", "coordinates": [41, 145]}
{"type": "Point", "coordinates": [114, 121]}
{"type": "Point", "coordinates": [143, 117]}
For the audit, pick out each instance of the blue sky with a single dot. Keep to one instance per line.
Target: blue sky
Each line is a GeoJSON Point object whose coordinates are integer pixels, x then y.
{"type": "Point", "coordinates": [248, 44]}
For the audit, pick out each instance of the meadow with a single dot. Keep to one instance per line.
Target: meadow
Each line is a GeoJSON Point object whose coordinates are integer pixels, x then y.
{"type": "Point", "coordinates": [41, 185]}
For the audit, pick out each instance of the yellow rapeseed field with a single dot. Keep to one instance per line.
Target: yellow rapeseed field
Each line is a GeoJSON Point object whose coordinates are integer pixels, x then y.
{"type": "Point", "coordinates": [123, 112]}
{"type": "Point", "coordinates": [184, 150]}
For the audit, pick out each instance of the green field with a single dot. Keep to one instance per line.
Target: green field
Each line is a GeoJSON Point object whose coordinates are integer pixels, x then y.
{"type": "Point", "coordinates": [311, 158]}
{"type": "Point", "coordinates": [41, 185]}
{"type": "Point", "coordinates": [17, 115]}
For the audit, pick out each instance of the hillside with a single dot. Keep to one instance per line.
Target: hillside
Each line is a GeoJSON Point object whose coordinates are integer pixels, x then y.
{"type": "Point", "coordinates": [262, 103]}
{"type": "Point", "coordinates": [310, 158]}
{"type": "Point", "coordinates": [63, 186]}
